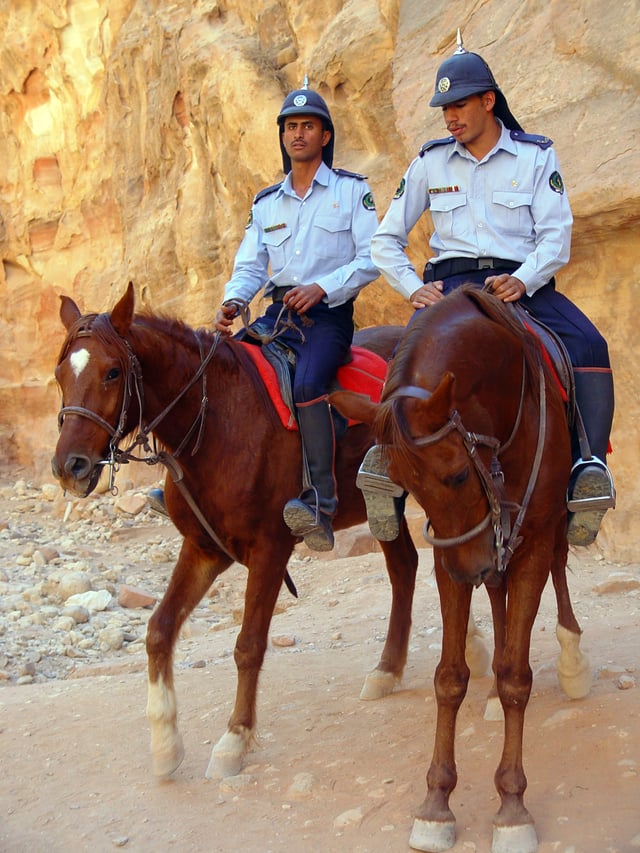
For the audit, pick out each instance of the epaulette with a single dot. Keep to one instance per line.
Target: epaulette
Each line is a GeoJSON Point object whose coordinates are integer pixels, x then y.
{"type": "Point", "coordinates": [344, 173]}
{"type": "Point", "coordinates": [267, 191]}
{"type": "Point", "coordinates": [521, 136]}
{"type": "Point", "coordinates": [433, 142]}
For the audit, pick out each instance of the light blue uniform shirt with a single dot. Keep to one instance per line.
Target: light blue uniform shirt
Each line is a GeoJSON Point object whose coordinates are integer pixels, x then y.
{"type": "Point", "coordinates": [511, 205]}
{"type": "Point", "coordinates": [324, 238]}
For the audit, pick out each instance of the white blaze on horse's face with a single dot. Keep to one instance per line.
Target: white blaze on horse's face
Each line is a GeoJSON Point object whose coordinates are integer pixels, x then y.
{"type": "Point", "coordinates": [79, 360]}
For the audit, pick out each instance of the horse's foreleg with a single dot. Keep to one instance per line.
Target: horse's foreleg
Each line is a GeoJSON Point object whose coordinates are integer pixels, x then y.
{"type": "Point", "coordinates": [191, 578]}
{"type": "Point", "coordinates": [434, 825]}
{"type": "Point", "coordinates": [402, 562]}
{"type": "Point", "coordinates": [574, 671]}
{"type": "Point", "coordinates": [263, 586]}
{"type": "Point", "coordinates": [513, 827]}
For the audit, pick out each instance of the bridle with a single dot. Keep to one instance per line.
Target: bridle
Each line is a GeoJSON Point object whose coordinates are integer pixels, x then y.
{"type": "Point", "coordinates": [506, 538]}
{"type": "Point", "coordinates": [133, 387]}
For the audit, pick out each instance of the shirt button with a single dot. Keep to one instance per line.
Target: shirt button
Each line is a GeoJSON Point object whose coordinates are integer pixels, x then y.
{"type": "Point", "coordinates": [297, 251]}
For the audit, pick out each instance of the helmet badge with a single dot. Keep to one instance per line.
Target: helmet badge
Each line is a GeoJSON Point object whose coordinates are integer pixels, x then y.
{"type": "Point", "coordinates": [444, 84]}
{"type": "Point", "coordinates": [300, 100]}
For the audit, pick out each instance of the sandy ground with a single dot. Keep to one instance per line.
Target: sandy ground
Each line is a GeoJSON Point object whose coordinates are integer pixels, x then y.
{"type": "Point", "coordinates": [329, 771]}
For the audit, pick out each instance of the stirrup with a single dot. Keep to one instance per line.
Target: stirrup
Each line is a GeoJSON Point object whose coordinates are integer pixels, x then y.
{"type": "Point", "coordinates": [379, 493]}
{"type": "Point", "coordinates": [591, 495]}
{"type": "Point", "coordinates": [590, 489]}
{"type": "Point", "coordinates": [155, 497]}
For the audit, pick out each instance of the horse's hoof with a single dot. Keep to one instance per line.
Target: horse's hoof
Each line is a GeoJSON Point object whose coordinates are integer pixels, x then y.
{"type": "Point", "coordinates": [514, 839]}
{"type": "Point", "coordinates": [493, 713]}
{"type": "Point", "coordinates": [433, 836]}
{"type": "Point", "coordinates": [167, 761]}
{"type": "Point", "coordinates": [227, 756]}
{"type": "Point", "coordinates": [377, 685]}
{"type": "Point", "coordinates": [574, 672]}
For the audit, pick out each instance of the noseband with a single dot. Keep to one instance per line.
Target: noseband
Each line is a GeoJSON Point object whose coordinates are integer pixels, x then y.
{"type": "Point", "coordinates": [506, 538]}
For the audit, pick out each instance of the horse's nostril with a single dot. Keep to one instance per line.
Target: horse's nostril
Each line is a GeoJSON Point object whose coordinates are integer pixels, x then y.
{"type": "Point", "coordinates": [78, 467]}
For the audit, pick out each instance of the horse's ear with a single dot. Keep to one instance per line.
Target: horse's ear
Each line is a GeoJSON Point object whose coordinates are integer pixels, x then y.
{"type": "Point", "coordinates": [358, 407]}
{"type": "Point", "coordinates": [427, 416]}
{"type": "Point", "coordinates": [122, 314]}
{"type": "Point", "coordinates": [69, 312]}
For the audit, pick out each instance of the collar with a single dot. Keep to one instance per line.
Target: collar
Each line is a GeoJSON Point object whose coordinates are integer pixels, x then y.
{"type": "Point", "coordinates": [322, 177]}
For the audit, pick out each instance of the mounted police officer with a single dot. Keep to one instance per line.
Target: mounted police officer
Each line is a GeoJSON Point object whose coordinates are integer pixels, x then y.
{"type": "Point", "coordinates": [502, 219]}
{"type": "Point", "coordinates": [307, 243]}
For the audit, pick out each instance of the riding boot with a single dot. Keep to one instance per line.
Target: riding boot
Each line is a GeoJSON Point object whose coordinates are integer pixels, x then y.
{"type": "Point", "coordinates": [591, 492]}
{"type": "Point", "coordinates": [310, 514]}
{"type": "Point", "coordinates": [384, 498]}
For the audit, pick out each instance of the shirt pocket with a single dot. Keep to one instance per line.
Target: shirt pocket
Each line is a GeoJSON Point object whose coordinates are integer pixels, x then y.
{"type": "Point", "coordinates": [448, 211]}
{"type": "Point", "coordinates": [512, 212]}
{"type": "Point", "coordinates": [276, 243]}
{"type": "Point", "coordinates": [332, 237]}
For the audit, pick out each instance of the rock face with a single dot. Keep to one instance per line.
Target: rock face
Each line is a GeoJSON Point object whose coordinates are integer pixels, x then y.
{"type": "Point", "coordinates": [135, 134]}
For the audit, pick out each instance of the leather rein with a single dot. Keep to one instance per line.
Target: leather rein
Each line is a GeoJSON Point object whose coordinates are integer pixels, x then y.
{"type": "Point", "coordinates": [506, 538]}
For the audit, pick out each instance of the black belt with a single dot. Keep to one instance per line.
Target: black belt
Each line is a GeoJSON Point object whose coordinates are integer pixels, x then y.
{"type": "Point", "coordinates": [456, 266]}
{"type": "Point", "coordinates": [277, 294]}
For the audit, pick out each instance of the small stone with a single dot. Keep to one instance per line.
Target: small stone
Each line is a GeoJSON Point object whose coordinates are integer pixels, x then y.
{"type": "Point", "coordinates": [625, 682]}
{"type": "Point", "coordinates": [133, 597]}
{"type": "Point", "coordinates": [94, 601]}
{"type": "Point", "coordinates": [283, 641]}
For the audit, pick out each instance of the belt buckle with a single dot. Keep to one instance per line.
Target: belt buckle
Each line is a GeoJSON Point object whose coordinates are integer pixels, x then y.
{"type": "Point", "coordinates": [485, 263]}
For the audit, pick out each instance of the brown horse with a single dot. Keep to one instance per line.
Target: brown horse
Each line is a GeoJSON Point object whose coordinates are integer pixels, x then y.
{"type": "Point", "coordinates": [475, 428]}
{"type": "Point", "coordinates": [121, 375]}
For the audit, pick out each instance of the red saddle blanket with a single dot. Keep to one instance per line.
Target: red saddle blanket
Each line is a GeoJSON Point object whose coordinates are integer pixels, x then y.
{"type": "Point", "coordinates": [365, 373]}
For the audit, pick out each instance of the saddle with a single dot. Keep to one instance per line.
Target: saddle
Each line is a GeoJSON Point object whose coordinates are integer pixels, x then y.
{"type": "Point", "coordinates": [364, 373]}
{"type": "Point", "coordinates": [555, 355]}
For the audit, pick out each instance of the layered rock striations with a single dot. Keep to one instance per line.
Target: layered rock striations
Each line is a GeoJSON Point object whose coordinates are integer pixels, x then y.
{"type": "Point", "coordinates": [134, 135]}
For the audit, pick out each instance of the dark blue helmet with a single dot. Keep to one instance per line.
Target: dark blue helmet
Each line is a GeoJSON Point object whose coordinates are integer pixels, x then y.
{"type": "Point", "coordinates": [465, 74]}
{"type": "Point", "coordinates": [305, 102]}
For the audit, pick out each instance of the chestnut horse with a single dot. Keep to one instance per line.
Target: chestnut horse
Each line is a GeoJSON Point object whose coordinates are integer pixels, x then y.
{"type": "Point", "coordinates": [475, 428]}
{"type": "Point", "coordinates": [121, 375]}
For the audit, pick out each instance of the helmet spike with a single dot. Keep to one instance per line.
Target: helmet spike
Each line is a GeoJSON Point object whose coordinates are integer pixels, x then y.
{"type": "Point", "coordinates": [305, 82]}
{"type": "Point", "coordinates": [460, 48]}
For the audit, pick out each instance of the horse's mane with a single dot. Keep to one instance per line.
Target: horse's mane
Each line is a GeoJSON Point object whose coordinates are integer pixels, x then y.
{"type": "Point", "coordinates": [199, 341]}
{"type": "Point", "coordinates": [390, 422]}
{"type": "Point", "coordinates": [504, 314]}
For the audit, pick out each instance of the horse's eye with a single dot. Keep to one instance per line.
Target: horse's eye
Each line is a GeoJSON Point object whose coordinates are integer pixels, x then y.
{"type": "Point", "coordinates": [112, 374]}
{"type": "Point", "coordinates": [454, 481]}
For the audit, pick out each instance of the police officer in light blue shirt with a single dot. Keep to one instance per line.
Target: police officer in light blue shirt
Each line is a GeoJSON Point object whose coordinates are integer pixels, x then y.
{"type": "Point", "coordinates": [307, 243]}
{"type": "Point", "coordinates": [501, 218]}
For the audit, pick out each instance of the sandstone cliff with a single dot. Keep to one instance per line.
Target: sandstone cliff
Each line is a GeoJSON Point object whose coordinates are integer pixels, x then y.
{"type": "Point", "coordinates": [135, 133]}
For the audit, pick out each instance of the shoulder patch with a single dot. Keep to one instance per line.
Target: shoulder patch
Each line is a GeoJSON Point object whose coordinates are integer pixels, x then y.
{"type": "Point", "coordinates": [267, 191]}
{"type": "Point", "coordinates": [345, 173]}
{"type": "Point", "coordinates": [541, 141]}
{"type": "Point", "coordinates": [435, 142]}
{"type": "Point", "coordinates": [556, 183]}
{"type": "Point", "coordinates": [368, 202]}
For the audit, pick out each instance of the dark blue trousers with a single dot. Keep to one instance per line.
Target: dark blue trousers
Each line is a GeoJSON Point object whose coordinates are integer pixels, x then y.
{"type": "Point", "coordinates": [320, 347]}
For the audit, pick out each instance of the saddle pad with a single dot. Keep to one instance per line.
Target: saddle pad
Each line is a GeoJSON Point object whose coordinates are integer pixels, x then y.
{"type": "Point", "coordinates": [365, 373]}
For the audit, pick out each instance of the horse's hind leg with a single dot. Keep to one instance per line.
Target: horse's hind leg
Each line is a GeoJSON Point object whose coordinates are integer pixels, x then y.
{"type": "Point", "coordinates": [263, 586]}
{"type": "Point", "coordinates": [402, 563]}
{"type": "Point", "coordinates": [574, 671]}
{"type": "Point", "coordinates": [191, 577]}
